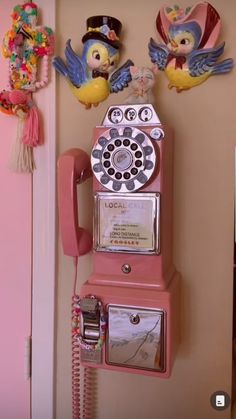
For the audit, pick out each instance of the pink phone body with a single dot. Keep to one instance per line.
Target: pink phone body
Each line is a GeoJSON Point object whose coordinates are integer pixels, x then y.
{"type": "Point", "coordinates": [133, 274]}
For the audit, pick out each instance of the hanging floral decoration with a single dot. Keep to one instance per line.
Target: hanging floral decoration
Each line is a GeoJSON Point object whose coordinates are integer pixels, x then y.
{"type": "Point", "coordinates": [26, 46]}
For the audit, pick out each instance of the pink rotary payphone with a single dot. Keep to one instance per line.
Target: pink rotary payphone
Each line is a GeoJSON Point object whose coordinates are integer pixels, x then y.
{"type": "Point", "coordinates": [129, 306]}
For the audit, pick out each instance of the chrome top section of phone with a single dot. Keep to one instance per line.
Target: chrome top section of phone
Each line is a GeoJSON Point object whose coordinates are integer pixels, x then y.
{"type": "Point", "coordinates": [131, 114]}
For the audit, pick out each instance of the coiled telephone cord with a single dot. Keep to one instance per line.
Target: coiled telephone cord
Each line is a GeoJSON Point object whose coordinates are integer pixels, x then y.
{"type": "Point", "coordinates": [76, 371]}
{"type": "Point", "coordinates": [89, 394]}
{"type": "Point", "coordinates": [89, 379]}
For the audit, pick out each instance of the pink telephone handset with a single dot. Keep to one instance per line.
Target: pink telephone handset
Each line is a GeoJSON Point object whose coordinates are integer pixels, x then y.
{"type": "Point", "coordinates": [73, 168]}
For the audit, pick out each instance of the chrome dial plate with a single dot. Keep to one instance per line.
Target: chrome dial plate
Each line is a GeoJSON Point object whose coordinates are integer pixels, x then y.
{"type": "Point", "coordinates": [123, 159]}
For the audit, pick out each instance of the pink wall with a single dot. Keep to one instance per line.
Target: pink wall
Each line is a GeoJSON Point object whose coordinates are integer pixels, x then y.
{"type": "Point", "coordinates": [15, 263]}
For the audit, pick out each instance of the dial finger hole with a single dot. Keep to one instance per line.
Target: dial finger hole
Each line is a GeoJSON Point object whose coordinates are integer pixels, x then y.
{"type": "Point", "coordinates": [106, 155]}
{"type": "Point", "coordinates": [117, 143]}
{"type": "Point", "coordinates": [138, 163]}
{"type": "Point", "coordinates": [127, 175]}
{"type": "Point", "coordinates": [118, 175]}
{"type": "Point", "coordinates": [111, 171]}
{"type": "Point", "coordinates": [138, 154]}
{"type": "Point", "coordinates": [126, 142]}
{"type": "Point", "coordinates": [110, 147]}
{"type": "Point", "coordinates": [134, 147]}
{"type": "Point", "coordinates": [134, 171]}
{"type": "Point", "coordinates": [107, 164]}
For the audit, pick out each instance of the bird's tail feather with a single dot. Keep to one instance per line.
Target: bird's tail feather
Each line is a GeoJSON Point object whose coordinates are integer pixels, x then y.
{"type": "Point", "coordinates": [60, 66]}
{"type": "Point", "coordinates": [223, 67]}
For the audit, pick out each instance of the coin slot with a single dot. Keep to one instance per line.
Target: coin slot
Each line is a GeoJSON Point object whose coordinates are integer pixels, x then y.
{"type": "Point", "coordinates": [115, 115]}
{"type": "Point", "coordinates": [130, 114]}
{"type": "Point", "coordinates": [145, 114]}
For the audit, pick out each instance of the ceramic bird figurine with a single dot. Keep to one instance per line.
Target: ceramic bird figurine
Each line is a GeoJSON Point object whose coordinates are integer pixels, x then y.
{"type": "Point", "coordinates": [91, 75]}
{"type": "Point", "coordinates": [189, 55]}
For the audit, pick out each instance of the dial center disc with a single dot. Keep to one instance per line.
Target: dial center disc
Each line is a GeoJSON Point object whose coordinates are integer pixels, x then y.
{"type": "Point", "coordinates": [122, 159]}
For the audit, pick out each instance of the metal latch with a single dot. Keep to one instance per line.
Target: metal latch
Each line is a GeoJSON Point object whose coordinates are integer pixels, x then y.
{"type": "Point", "coordinates": [90, 320]}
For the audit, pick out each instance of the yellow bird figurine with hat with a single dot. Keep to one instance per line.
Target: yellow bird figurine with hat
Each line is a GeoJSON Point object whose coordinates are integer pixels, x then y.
{"type": "Point", "coordinates": [91, 75]}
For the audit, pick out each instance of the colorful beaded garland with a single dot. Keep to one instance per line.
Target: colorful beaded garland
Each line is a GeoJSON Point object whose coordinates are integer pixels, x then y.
{"type": "Point", "coordinates": [24, 44]}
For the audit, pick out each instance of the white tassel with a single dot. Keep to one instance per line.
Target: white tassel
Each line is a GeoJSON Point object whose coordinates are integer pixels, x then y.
{"type": "Point", "coordinates": [22, 156]}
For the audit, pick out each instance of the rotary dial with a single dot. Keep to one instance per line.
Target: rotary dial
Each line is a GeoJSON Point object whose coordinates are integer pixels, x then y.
{"type": "Point", "coordinates": [123, 159]}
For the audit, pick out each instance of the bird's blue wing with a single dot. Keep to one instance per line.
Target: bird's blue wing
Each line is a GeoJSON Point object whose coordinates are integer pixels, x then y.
{"type": "Point", "coordinates": [76, 67]}
{"type": "Point", "coordinates": [121, 77]}
{"type": "Point", "coordinates": [60, 66]}
{"type": "Point", "coordinates": [158, 54]}
{"type": "Point", "coordinates": [204, 60]}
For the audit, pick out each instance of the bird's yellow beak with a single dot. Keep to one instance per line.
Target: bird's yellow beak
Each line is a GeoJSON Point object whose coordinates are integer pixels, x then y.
{"type": "Point", "coordinates": [105, 65]}
{"type": "Point", "coordinates": [173, 43]}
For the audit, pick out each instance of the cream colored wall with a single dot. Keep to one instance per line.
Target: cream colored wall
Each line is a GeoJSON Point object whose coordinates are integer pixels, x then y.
{"type": "Point", "coordinates": [204, 124]}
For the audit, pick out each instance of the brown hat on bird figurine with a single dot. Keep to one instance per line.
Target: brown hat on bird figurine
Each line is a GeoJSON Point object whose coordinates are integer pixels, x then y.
{"type": "Point", "coordinates": [104, 28]}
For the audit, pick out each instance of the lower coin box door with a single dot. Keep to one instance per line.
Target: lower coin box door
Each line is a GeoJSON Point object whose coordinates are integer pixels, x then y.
{"type": "Point", "coordinates": [136, 338]}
